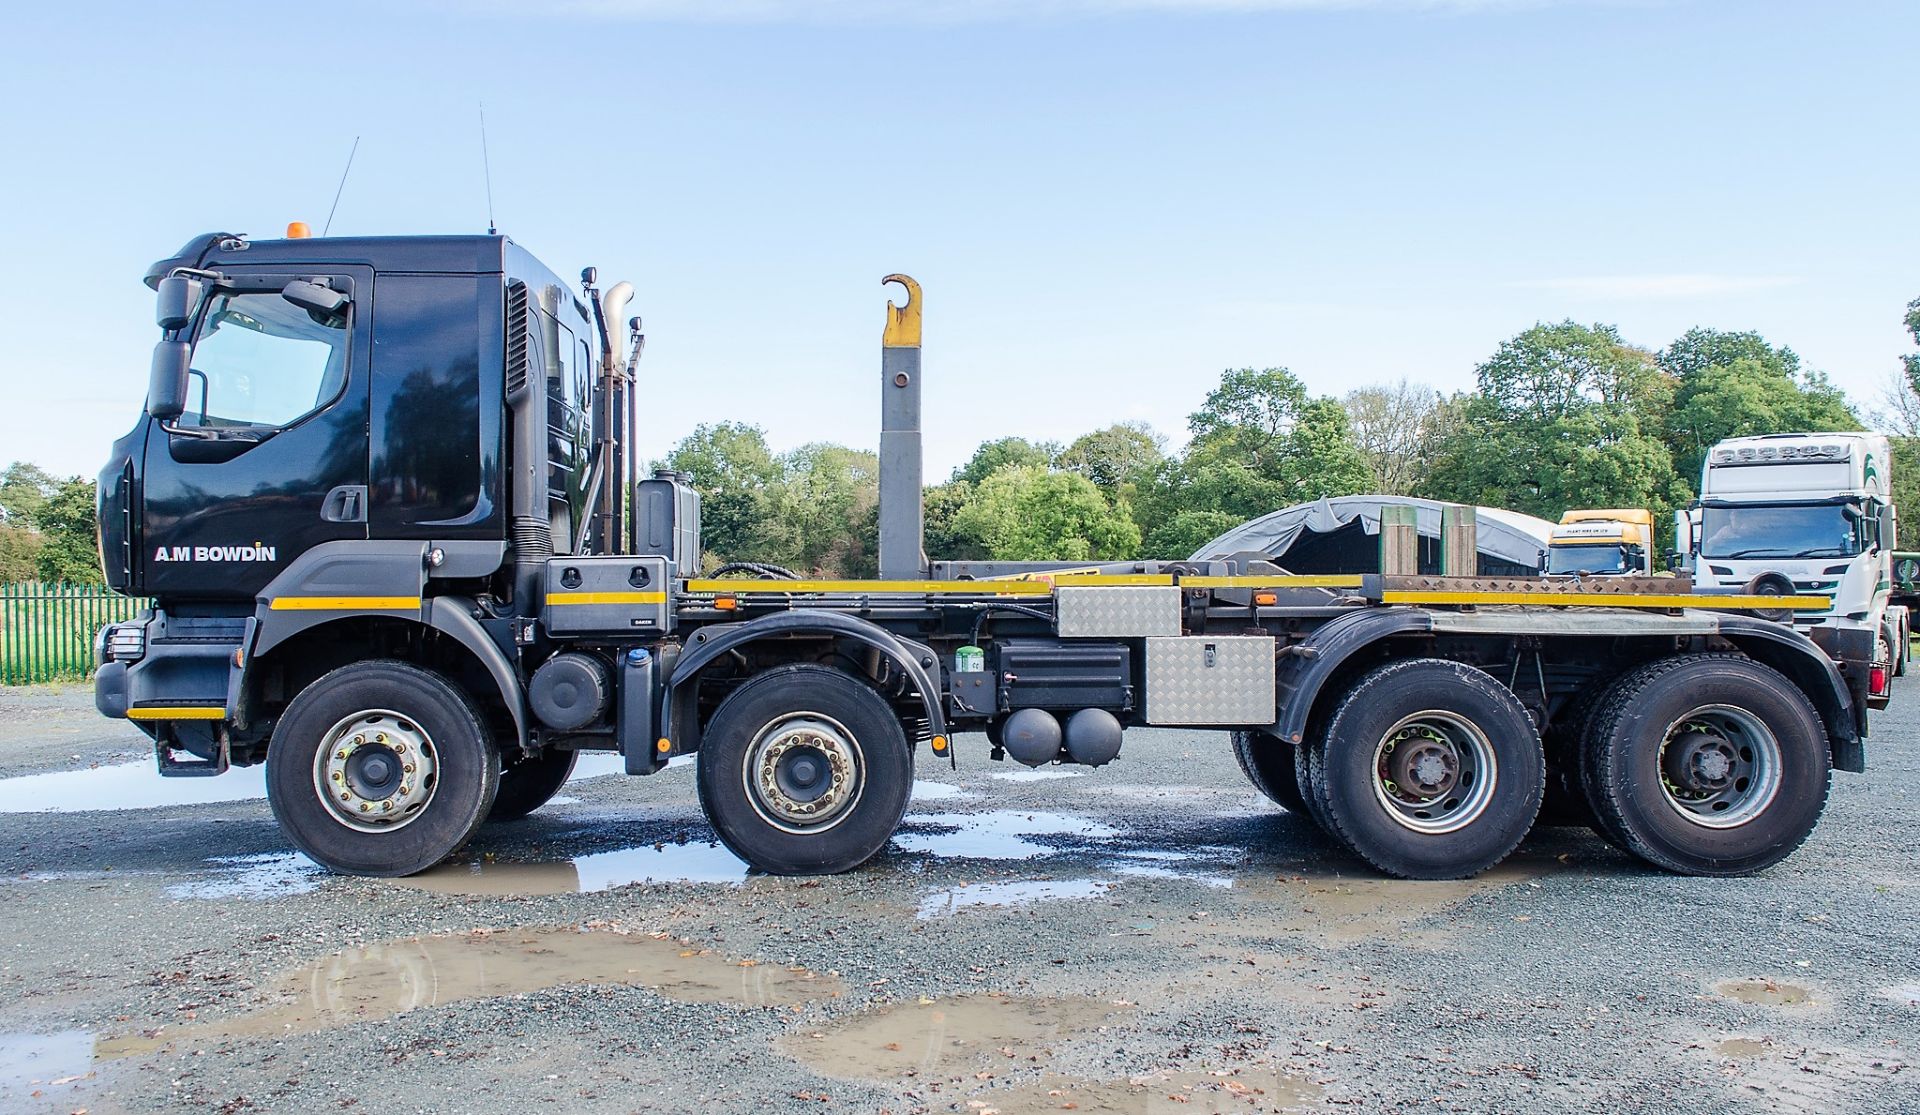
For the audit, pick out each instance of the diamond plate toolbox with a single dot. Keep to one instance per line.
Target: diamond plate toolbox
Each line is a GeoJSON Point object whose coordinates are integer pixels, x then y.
{"type": "Point", "coordinates": [1117, 611]}
{"type": "Point", "coordinates": [1210, 679]}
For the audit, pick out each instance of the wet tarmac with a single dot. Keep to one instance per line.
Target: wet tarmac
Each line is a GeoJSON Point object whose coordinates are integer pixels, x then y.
{"type": "Point", "coordinates": [379, 981]}
{"type": "Point", "coordinates": [1141, 940]}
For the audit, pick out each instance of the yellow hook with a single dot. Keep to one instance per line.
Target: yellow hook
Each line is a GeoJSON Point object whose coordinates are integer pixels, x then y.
{"type": "Point", "coordinates": [903, 322]}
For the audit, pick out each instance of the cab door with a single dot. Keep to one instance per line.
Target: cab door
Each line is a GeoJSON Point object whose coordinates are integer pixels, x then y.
{"type": "Point", "coordinates": [270, 458]}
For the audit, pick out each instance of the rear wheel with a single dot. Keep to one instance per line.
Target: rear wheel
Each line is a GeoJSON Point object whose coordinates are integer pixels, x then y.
{"type": "Point", "coordinates": [529, 782]}
{"type": "Point", "coordinates": [1429, 769]}
{"type": "Point", "coordinates": [381, 768]}
{"type": "Point", "coordinates": [1707, 764]}
{"type": "Point", "coordinates": [1268, 762]}
{"type": "Point", "coordinates": [805, 770]}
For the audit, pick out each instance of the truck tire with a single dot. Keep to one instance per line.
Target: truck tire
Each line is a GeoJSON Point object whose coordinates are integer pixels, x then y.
{"type": "Point", "coordinates": [804, 770]}
{"type": "Point", "coordinates": [1268, 763]}
{"type": "Point", "coordinates": [529, 782]}
{"type": "Point", "coordinates": [1429, 769]}
{"type": "Point", "coordinates": [381, 768]}
{"type": "Point", "coordinates": [1707, 764]}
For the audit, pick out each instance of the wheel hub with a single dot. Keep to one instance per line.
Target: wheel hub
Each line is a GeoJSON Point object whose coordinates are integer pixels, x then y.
{"type": "Point", "coordinates": [1720, 766]}
{"type": "Point", "coordinates": [376, 771]}
{"type": "Point", "coordinates": [1701, 762]}
{"type": "Point", "coordinates": [1434, 772]}
{"type": "Point", "coordinates": [804, 771]}
{"type": "Point", "coordinates": [1425, 766]}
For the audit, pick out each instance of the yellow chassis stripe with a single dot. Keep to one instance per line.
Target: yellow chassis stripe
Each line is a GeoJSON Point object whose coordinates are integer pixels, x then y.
{"type": "Point", "coordinates": [1610, 600]}
{"type": "Point", "coordinates": [974, 588]}
{"type": "Point", "coordinates": [1291, 580]}
{"type": "Point", "coordinates": [345, 604]}
{"type": "Point", "coordinates": [607, 597]}
{"type": "Point", "coordinates": [182, 712]}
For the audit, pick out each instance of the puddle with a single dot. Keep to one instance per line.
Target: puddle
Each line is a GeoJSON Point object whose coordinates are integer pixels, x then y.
{"type": "Point", "coordinates": [1206, 865]}
{"type": "Point", "coordinates": [654, 863]}
{"type": "Point", "coordinates": [1023, 892]}
{"type": "Point", "coordinates": [381, 980]}
{"type": "Point", "coordinates": [1741, 1049]}
{"type": "Point", "coordinates": [43, 1066]}
{"type": "Point", "coordinates": [1038, 774]}
{"type": "Point", "coordinates": [937, 791]}
{"type": "Point", "coordinates": [1347, 910]}
{"type": "Point", "coordinates": [269, 875]}
{"type": "Point", "coordinates": [1159, 871]}
{"type": "Point", "coordinates": [137, 785]}
{"type": "Point", "coordinates": [1000, 834]}
{"type": "Point", "coordinates": [1907, 994]}
{"type": "Point", "coordinates": [947, 1039]}
{"type": "Point", "coordinates": [1189, 1093]}
{"type": "Point", "coordinates": [1765, 992]}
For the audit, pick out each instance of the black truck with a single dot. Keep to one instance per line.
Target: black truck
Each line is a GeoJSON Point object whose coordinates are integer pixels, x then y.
{"type": "Point", "coordinates": [400, 550]}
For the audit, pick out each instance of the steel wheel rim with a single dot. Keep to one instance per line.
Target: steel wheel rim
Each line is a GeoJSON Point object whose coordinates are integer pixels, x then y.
{"type": "Point", "coordinates": [1434, 772]}
{"type": "Point", "coordinates": [1692, 780]}
{"type": "Point", "coordinates": [804, 772]}
{"type": "Point", "coordinates": [376, 771]}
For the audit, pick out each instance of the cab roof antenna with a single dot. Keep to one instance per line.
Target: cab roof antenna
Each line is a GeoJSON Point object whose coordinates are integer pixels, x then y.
{"type": "Point", "coordinates": [341, 188]}
{"type": "Point", "coordinates": [486, 169]}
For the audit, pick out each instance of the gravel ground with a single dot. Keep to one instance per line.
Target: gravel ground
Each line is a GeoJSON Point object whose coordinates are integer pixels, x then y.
{"type": "Point", "coordinates": [1149, 937]}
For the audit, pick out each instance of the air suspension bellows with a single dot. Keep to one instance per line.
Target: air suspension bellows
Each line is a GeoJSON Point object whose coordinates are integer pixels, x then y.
{"type": "Point", "coordinates": [1032, 736]}
{"type": "Point", "coordinates": [1093, 737]}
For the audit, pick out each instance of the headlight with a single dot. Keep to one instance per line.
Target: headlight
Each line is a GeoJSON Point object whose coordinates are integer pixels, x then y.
{"type": "Point", "coordinates": [123, 642]}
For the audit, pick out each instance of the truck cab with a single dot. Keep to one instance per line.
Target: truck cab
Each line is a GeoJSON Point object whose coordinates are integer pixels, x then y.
{"type": "Point", "coordinates": [1601, 542]}
{"type": "Point", "coordinates": [1803, 512]}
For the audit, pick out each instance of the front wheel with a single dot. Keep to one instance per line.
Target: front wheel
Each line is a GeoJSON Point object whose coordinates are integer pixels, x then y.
{"type": "Point", "coordinates": [380, 768]}
{"type": "Point", "coordinates": [805, 771]}
{"type": "Point", "coordinates": [1428, 769]}
{"type": "Point", "coordinates": [1707, 764]}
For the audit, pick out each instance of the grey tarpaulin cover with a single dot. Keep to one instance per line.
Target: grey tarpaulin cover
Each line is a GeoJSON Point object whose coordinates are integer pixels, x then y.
{"type": "Point", "coordinates": [1341, 535]}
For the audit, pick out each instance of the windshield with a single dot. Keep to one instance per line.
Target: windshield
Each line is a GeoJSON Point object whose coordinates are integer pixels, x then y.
{"type": "Point", "coordinates": [1609, 557]}
{"type": "Point", "coordinates": [1819, 530]}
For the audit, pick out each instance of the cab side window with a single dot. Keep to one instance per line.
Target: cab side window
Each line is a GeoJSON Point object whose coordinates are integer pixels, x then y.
{"type": "Point", "coordinates": [260, 362]}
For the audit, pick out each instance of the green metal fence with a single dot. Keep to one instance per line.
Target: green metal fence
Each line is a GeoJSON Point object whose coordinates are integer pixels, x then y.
{"type": "Point", "coordinates": [46, 631]}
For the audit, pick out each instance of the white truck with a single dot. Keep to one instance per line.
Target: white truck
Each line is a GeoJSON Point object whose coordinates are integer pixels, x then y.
{"type": "Point", "coordinates": [1602, 542]}
{"type": "Point", "coordinates": [1802, 512]}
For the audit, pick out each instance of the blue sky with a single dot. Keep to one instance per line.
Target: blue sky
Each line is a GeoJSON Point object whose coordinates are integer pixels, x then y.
{"type": "Point", "coordinates": [1108, 201]}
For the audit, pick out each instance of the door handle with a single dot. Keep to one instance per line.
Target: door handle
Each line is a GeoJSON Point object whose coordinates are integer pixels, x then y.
{"type": "Point", "coordinates": [345, 504]}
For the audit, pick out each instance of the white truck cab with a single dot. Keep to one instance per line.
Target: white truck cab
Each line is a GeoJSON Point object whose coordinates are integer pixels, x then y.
{"type": "Point", "coordinates": [1804, 512]}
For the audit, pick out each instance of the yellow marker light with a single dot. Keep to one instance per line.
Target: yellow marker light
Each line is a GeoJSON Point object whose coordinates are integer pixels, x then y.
{"type": "Point", "coordinates": [726, 603]}
{"type": "Point", "coordinates": [939, 744]}
{"type": "Point", "coordinates": [663, 745]}
{"type": "Point", "coordinates": [298, 230]}
{"type": "Point", "coordinates": [1263, 599]}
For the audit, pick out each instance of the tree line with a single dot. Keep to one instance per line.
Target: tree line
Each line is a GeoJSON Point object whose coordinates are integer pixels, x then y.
{"type": "Point", "coordinates": [1561, 415]}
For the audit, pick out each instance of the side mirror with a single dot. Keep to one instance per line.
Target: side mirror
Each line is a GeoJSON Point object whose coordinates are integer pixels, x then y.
{"type": "Point", "coordinates": [175, 300]}
{"type": "Point", "coordinates": [167, 382]}
{"type": "Point", "coordinates": [321, 301]}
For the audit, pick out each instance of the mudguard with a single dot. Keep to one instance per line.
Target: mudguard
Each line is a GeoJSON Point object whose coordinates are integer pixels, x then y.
{"type": "Point", "coordinates": [1791, 652]}
{"type": "Point", "coordinates": [1300, 675]}
{"type": "Point", "coordinates": [709, 643]}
